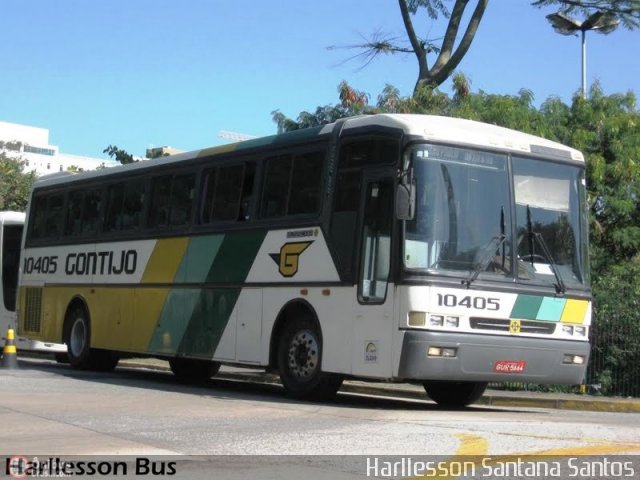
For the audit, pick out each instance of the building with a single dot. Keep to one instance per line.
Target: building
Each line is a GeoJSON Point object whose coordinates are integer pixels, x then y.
{"type": "Point", "coordinates": [31, 145]}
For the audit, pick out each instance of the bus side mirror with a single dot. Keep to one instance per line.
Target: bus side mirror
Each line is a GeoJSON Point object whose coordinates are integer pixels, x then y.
{"type": "Point", "coordinates": [406, 201]}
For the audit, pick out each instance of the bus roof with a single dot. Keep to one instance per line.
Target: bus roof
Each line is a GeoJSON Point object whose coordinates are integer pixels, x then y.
{"type": "Point", "coordinates": [430, 127]}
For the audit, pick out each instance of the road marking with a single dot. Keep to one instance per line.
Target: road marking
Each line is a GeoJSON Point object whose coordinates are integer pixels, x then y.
{"type": "Point", "coordinates": [601, 449]}
{"type": "Point", "coordinates": [471, 445]}
{"type": "Point", "coordinates": [473, 451]}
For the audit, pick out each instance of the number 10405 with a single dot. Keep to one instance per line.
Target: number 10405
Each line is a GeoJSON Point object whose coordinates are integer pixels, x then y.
{"type": "Point", "coordinates": [468, 301]}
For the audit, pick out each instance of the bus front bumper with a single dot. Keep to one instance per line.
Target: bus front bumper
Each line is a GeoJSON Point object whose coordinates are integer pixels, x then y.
{"type": "Point", "coordinates": [487, 358]}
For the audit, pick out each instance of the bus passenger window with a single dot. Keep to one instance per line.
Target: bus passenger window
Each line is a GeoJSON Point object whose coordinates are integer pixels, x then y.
{"type": "Point", "coordinates": [247, 193]}
{"type": "Point", "coordinates": [115, 198]}
{"type": "Point", "coordinates": [228, 192]}
{"type": "Point", "coordinates": [91, 212]}
{"type": "Point", "coordinates": [306, 183]}
{"type": "Point", "coordinates": [209, 195]}
{"type": "Point", "coordinates": [124, 206]}
{"type": "Point", "coordinates": [182, 199]}
{"type": "Point", "coordinates": [74, 214]}
{"type": "Point", "coordinates": [276, 187]}
{"type": "Point", "coordinates": [48, 217]}
{"type": "Point", "coordinates": [160, 198]}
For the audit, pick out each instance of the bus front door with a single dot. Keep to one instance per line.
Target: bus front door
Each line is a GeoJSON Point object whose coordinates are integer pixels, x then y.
{"type": "Point", "coordinates": [373, 319]}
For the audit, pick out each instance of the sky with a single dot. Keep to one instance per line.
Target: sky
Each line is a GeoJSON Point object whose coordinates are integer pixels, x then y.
{"type": "Point", "coordinates": [143, 73]}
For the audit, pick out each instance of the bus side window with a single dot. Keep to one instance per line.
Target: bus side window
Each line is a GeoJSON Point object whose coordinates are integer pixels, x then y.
{"type": "Point", "coordinates": [160, 198]}
{"type": "Point", "coordinates": [73, 224]}
{"type": "Point", "coordinates": [276, 186]}
{"type": "Point", "coordinates": [39, 220]}
{"type": "Point", "coordinates": [133, 205]}
{"type": "Point", "coordinates": [211, 179]}
{"type": "Point", "coordinates": [228, 193]}
{"type": "Point", "coordinates": [246, 200]}
{"type": "Point", "coordinates": [91, 212]}
{"type": "Point", "coordinates": [53, 214]}
{"type": "Point", "coordinates": [182, 195]}
{"type": "Point", "coordinates": [293, 185]}
{"type": "Point", "coordinates": [124, 206]}
{"type": "Point", "coordinates": [306, 181]}
{"type": "Point", "coordinates": [115, 199]}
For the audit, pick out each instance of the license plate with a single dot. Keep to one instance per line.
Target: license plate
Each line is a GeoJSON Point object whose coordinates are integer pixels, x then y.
{"type": "Point", "coordinates": [510, 366]}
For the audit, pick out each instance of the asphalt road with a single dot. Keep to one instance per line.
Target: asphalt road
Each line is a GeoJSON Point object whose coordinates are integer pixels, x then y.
{"type": "Point", "coordinates": [49, 409]}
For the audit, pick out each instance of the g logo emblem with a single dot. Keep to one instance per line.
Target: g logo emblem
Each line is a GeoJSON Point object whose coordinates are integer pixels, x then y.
{"type": "Point", "coordinates": [288, 258]}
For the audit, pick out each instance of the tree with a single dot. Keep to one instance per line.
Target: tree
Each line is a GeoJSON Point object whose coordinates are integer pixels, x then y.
{"type": "Point", "coordinates": [119, 155]}
{"type": "Point", "coordinates": [454, 45]}
{"type": "Point", "coordinates": [15, 185]}
{"type": "Point", "coordinates": [352, 102]}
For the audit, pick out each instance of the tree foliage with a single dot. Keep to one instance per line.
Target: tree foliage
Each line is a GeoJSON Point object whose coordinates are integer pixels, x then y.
{"type": "Point", "coordinates": [119, 155]}
{"type": "Point", "coordinates": [438, 58]}
{"type": "Point", "coordinates": [15, 185]}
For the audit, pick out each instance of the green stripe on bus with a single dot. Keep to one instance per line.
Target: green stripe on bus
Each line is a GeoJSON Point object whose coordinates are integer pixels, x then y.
{"type": "Point", "coordinates": [208, 321]}
{"type": "Point", "coordinates": [235, 257]}
{"type": "Point", "coordinates": [526, 307]}
{"type": "Point", "coordinates": [192, 319]}
{"type": "Point", "coordinates": [199, 258]}
{"type": "Point", "coordinates": [211, 314]}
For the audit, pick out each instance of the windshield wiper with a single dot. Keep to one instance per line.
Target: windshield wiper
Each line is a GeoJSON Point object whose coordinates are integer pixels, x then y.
{"type": "Point", "coordinates": [537, 236]}
{"type": "Point", "coordinates": [489, 250]}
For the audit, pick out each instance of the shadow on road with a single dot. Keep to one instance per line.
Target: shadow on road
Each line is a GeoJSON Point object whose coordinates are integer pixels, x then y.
{"type": "Point", "coordinates": [236, 389]}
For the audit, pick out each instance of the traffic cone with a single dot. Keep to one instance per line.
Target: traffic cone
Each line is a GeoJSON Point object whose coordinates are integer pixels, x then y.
{"type": "Point", "coordinates": [9, 354]}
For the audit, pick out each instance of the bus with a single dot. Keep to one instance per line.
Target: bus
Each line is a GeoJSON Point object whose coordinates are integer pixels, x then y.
{"type": "Point", "coordinates": [390, 247]}
{"type": "Point", "coordinates": [11, 226]}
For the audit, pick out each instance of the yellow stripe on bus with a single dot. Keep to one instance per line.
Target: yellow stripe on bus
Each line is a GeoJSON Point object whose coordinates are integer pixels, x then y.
{"type": "Point", "coordinates": [149, 305]}
{"type": "Point", "coordinates": [574, 311]}
{"type": "Point", "coordinates": [165, 260]}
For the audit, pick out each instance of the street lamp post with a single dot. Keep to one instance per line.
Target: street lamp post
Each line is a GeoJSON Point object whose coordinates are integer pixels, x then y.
{"type": "Point", "coordinates": [601, 22]}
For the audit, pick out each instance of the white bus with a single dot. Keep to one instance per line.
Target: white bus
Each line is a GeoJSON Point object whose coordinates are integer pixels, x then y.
{"type": "Point", "coordinates": [399, 247]}
{"type": "Point", "coordinates": [11, 226]}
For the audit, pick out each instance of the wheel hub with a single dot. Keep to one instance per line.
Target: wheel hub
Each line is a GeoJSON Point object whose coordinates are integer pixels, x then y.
{"type": "Point", "coordinates": [78, 337]}
{"type": "Point", "coordinates": [303, 354]}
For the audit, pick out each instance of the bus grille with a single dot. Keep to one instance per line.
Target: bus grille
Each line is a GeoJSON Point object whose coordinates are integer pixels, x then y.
{"type": "Point", "coordinates": [502, 325]}
{"type": "Point", "coordinates": [33, 310]}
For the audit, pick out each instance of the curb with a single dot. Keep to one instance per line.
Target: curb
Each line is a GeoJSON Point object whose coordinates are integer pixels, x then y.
{"type": "Point", "coordinates": [491, 398]}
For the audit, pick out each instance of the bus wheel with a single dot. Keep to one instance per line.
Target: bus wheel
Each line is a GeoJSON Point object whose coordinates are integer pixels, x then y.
{"type": "Point", "coordinates": [299, 360]}
{"type": "Point", "coordinates": [455, 394]}
{"type": "Point", "coordinates": [192, 370]}
{"type": "Point", "coordinates": [77, 337]}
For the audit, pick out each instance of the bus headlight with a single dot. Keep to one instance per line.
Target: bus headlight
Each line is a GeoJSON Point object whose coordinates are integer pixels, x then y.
{"type": "Point", "coordinates": [417, 319]}
{"type": "Point", "coordinates": [580, 330]}
{"type": "Point", "coordinates": [573, 359]}
{"type": "Point", "coordinates": [568, 329]}
{"type": "Point", "coordinates": [442, 352]}
{"type": "Point", "coordinates": [451, 321]}
{"type": "Point", "coordinates": [436, 320]}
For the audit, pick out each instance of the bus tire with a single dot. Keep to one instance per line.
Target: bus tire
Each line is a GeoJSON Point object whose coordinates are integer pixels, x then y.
{"type": "Point", "coordinates": [78, 338]}
{"type": "Point", "coordinates": [455, 394]}
{"type": "Point", "coordinates": [191, 370]}
{"type": "Point", "coordinates": [299, 362]}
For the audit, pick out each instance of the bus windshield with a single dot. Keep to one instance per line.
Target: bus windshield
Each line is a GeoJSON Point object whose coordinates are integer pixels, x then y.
{"type": "Point", "coordinates": [464, 211]}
